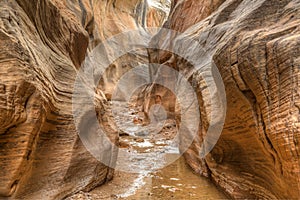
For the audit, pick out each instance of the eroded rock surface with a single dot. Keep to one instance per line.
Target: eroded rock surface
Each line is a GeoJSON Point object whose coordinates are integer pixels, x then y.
{"type": "Point", "coordinates": [43, 43]}
{"type": "Point", "coordinates": [255, 46]}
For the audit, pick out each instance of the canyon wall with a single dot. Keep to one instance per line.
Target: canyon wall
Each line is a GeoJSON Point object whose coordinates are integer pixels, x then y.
{"type": "Point", "coordinates": [43, 43]}
{"type": "Point", "coordinates": [255, 46]}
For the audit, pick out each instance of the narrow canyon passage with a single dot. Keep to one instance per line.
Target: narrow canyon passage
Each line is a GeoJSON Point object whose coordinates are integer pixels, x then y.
{"type": "Point", "coordinates": [149, 99]}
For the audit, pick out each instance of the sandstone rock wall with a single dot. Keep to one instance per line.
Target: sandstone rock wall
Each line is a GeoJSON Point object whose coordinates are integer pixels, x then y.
{"type": "Point", "coordinates": [43, 43]}
{"type": "Point", "coordinates": [255, 46]}
{"type": "Point", "coordinates": [115, 17]}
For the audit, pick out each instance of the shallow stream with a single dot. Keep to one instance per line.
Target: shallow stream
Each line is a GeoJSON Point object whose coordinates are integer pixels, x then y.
{"type": "Point", "coordinates": [142, 152]}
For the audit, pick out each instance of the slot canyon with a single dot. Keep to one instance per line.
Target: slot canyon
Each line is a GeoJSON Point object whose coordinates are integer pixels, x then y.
{"type": "Point", "coordinates": [149, 99]}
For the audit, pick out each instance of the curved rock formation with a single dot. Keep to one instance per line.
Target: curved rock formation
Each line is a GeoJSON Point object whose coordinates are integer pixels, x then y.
{"type": "Point", "coordinates": [255, 46]}
{"type": "Point", "coordinates": [114, 17]}
{"type": "Point", "coordinates": [43, 43]}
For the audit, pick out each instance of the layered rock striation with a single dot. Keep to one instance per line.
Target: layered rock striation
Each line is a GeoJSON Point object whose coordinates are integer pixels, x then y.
{"type": "Point", "coordinates": [255, 46]}
{"type": "Point", "coordinates": [43, 44]}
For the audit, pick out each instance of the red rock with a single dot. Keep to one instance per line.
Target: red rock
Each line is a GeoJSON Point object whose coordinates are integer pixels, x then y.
{"type": "Point", "coordinates": [43, 43]}
{"type": "Point", "coordinates": [255, 46]}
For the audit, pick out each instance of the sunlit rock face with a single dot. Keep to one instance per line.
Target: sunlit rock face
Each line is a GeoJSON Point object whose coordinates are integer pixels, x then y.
{"type": "Point", "coordinates": [43, 43]}
{"type": "Point", "coordinates": [255, 46]}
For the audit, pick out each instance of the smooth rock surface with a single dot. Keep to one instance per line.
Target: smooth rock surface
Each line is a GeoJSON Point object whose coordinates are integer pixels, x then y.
{"type": "Point", "coordinates": [255, 46]}
{"type": "Point", "coordinates": [43, 43]}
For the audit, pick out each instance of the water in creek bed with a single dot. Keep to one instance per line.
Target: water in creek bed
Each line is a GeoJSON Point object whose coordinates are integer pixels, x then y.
{"type": "Point", "coordinates": [143, 153]}
{"type": "Point", "coordinates": [176, 181]}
